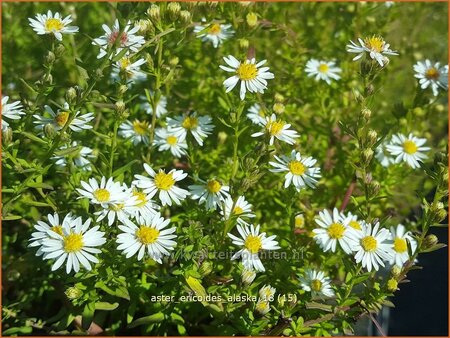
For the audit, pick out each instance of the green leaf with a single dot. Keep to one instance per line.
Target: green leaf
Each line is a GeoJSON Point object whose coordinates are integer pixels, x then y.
{"type": "Point", "coordinates": [155, 318]}
{"type": "Point", "coordinates": [318, 306]}
{"type": "Point", "coordinates": [88, 315]}
{"type": "Point", "coordinates": [435, 247]}
{"type": "Point", "coordinates": [124, 168]}
{"type": "Point", "coordinates": [33, 137]}
{"type": "Point", "coordinates": [131, 311]}
{"type": "Point", "coordinates": [11, 217]}
{"type": "Point", "coordinates": [196, 286]}
{"type": "Point", "coordinates": [40, 185]}
{"type": "Point", "coordinates": [15, 330]}
{"type": "Point", "coordinates": [120, 55]}
{"type": "Point", "coordinates": [349, 301]}
{"type": "Point", "coordinates": [122, 292]}
{"type": "Point", "coordinates": [105, 306]}
{"type": "Point", "coordinates": [37, 204]}
{"type": "Point", "coordinates": [67, 151]}
{"type": "Point", "coordinates": [361, 278]}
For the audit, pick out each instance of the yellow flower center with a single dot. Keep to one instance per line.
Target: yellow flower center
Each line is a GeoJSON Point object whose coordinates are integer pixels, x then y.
{"type": "Point", "coordinates": [261, 113]}
{"type": "Point", "coordinates": [299, 221]}
{"type": "Point", "coordinates": [171, 140]}
{"type": "Point", "coordinates": [147, 235]}
{"type": "Point", "coordinates": [58, 229]}
{"type": "Point", "coordinates": [140, 128]}
{"type": "Point", "coordinates": [53, 25]}
{"type": "Point", "coordinates": [213, 186]}
{"type": "Point", "coordinates": [73, 242]}
{"type": "Point", "coordinates": [316, 285]}
{"type": "Point", "coordinates": [237, 210]}
{"type": "Point", "coordinates": [141, 198]}
{"type": "Point", "coordinates": [247, 71]}
{"type": "Point", "coordinates": [374, 43]}
{"type": "Point", "coordinates": [409, 147]}
{"type": "Point", "coordinates": [323, 68]}
{"type": "Point", "coordinates": [336, 230]}
{"type": "Point", "coordinates": [432, 74]}
{"type": "Point", "coordinates": [124, 63]}
{"type": "Point", "coordinates": [400, 245]}
{"type": "Point", "coordinates": [253, 244]}
{"type": "Point", "coordinates": [369, 244]}
{"type": "Point", "coordinates": [190, 122]}
{"type": "Point", "coordinates": [116, 207]}
{"type": "Point", "coordinates": [262, 306]}
{"type": "Point", "coordinates": [214, 29]}
{"type": "Point", "coordinates": [274, 127]}
{"type": "Point", "coordinates": [61, 118]}
{"type": "Point", "coordinates": [296, 167]}
{"type": "Point", "coordinates": [102, 195]}
{"type": "Point", "coordinates": [355, 225]}
{"type": "Point", "coordinates": [164, 181]}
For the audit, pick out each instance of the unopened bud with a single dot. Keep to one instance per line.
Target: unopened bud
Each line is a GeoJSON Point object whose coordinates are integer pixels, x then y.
{"type": "Point", "coordinates": [374, 187]}
{"type": "Point", "coordinates": [244, 44]}
{"type": "Point", "coordinates": [279, 97]}
{"type": "Point", "coordinates": [60, 50]}
{"type": "Point", "coordinates": [278, 108]}
{"type": "Point", "coordinates": [262, 307]}
{"type": "Point", "coordinates": [120, 106]}
{"type": "Point", "coordinates": [144, 26]}
{"type": "Point", "coordinates": [222, 137]}
{"type": "Point", "coordinates": [372, 137]}
{"type": "Point", "coordinates": [430, 241]}
{"type": "Point", "coordinates": [366, 113]}
{"type": "Point", "coordinates": [71, 95]}
{"type": "Point", "coordinates": [396, 270]}
{"type": "Point", "coordinates": [50, 58]}
{"type": "Point", "coordinates": [185, 17]}
{"type": "Point", "coordinates": [367, 156]}
{"type": "Point", "coordinates": [49, 131]}
{"type": "Point", "coordinates": [369, 90]}
{"type": "Point", "coordinates": [248, 276]}
{"type": "Point", "coordinates": [366, 67]}
{"type": "Point", "coordinates": [438, 212]}
{"type": "Point", "coordinates": [7, 136]}
{"type": "Point", "coordinates": [154, 13]}
{"type": "Point", "coordinates": [73, 293]}
{"type": "Point", "coordinates": [252, 19]}
{"type": "Point", "coordinates": [47, 78]}
{"type": "Point", "coordinates": [149, 60]}
{"type": "Point", "coordinates": [299, 221]}
{"type": "Point", "coordinates": [174, 60]}
{"type": "Point", "coordinates": [206, 268]}
{"type": "Point", "coordinates": [174, 10]}
{"type": "Point", "coordinates": [392, 285]}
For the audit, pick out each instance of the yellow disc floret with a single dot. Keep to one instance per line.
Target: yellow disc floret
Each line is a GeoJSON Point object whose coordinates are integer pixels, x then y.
{"type": "Point", "coordinates": [253, 244]}
{"type": "Point", "coordinates": [190, 122]}
{"type": "Point", "coordinates": [336, 230]}
{"type": "Point", "coordinates": [102, 195]}
{"type": "Point", "coordinates": [400, 245]}
{"type": "Point", "coordinates": [140, 128]}
{"type": "Point", "coordinates": [147, 235]}
{"type": "Point", "coordinates": [61, 118]}
{"type": "Point", "coordinates": [296, 167]}
{"type": "Point", "coordinates": [316, 285]}
{"type": "Point", "coordinates": [374, 43]}
{"type": "Point", "coordinates": [369, 244]}
{"type": "Point", "coordinates": [53, 25]}
{"type": "Point", "coordinates": [73, 243]}
{"type": "Point", "coordinates": [410, 147]}
{"type": "Point", "coordinates": [214, 186]}
{"type": "Point", "coordinates": [247, 71]}
{"type": "Point", "coordinates": [164, 181]}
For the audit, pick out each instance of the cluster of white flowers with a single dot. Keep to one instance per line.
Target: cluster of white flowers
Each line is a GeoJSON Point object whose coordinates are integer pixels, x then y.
{"type": "Point", "coordinates": [371, 245]}
{"type": "Point", "coordinates": [266, 296]}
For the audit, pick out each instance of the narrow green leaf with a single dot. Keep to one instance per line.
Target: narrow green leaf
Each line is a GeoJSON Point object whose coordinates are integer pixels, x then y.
{"type": "Point", "coordinates": [155, 318]}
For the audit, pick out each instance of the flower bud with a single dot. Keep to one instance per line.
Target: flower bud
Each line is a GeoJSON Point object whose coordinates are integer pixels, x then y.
{"type": "Point", "coordinates": [372, 137]}
{"type": "Point", "coordinates": [185, 17]}
{"type": "Point", "coordinates": [278, 108]}
{"type": "Point", "coordinates": [262, 307]}
{"type": "Point", "coordinates": [367, 156]}
{"type": "Point", "coordinates": [366, 113]}
{"type": "Point", "coordinates": [71, 95]}
{"type": "Point", "coordinates": [73, 293]}
{"type": "Point", "coordinates": [149, 60]}
{"type": "Point", "coordinates": [396, 270]}
{"type": "Point", "coordinates": [123, 89]}
{"type": "Point", "coordinates": [174, 10]}
{"type": "Point", "coordinates": [430, 241]}
{"type": "Point", "coordinates": [60, 50]}
{"type": "Point", "coordinates": [144, 26]}
{"type": "Point", "coordinates": [120, 106]}
{"type": "Point", "coordinates": [50, 58]}
{"type": "Point", "coordinates": [222, 137]}
{"type": "Point", "coordinates": [49, 131]}
{"type": "Point", "coordinates": [369, 90]}
{"type": "Point", "coordinates": [438, 212]}
{"type": "Point", "coordinates": [374, 187]}
{"type": "Point", "coordinates": [154, 13]}
{"type": "Point", "coordinates": [279, 97]}
{"type": "Point", "coordinates": [252, 19]}
{"type": "Point", "coordinates": [47, 78]}
{"type": "Point", "coordinates": [248, 276]}
{"type": "Point", "coordinates": [206, 268]}
{"type": "Point", "coordinates": [392, 284]}
{"type": "Point", "coordinates": [174, 60]}
{"type": "Point", "coordinates": [244, 44]}
{"type": "Point", "coordinates": [7, 136]}
{"type": "Point", "coordinates": [299, 221]}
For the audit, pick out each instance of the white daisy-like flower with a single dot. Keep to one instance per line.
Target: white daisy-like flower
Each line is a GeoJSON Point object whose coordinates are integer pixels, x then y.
{"type": "Point", "coordinates": [144, 206]}
{"type": "Point", "coordinates": [400, 239]}
{"type": "Point", "coordinates": [257, 114]}
{"type": "Point", "coordinates": [216, 33]}
{"type": "Point", "coordinates": [432, 75]}
{"type": "Point", "coordinates": [199, 126]}
{"type": "Point", "coordinates": [161, 106]}
{"type": "Point", "coordinates": [248, 276]}
{"type": "Point", "coordinates": [354, 222]}
{"type": "Point", "coordinates": [80, 158]}
{"type": "Point", "coordinates": [252, 242]}
{"type": "Point", "coordinates": [212, 192]}
{"type": "Point", "coordinates": [334, 228]}
{"type": "Point", "coordinates": [262, 307]}
{"type": "Point", "coordinates": [137, 131]}
{"type": "Point", "coordinates": [267, 293]}
{"type": "Point", "coordinates": [383, 156]}
{"type": "Point", "coordinates": [240, 209]}
{"type": "Point", "coordinates": [52, 24]}
{"type": "Point", "coordinates": [164, 183]}
{"type": "Point", "coordinates": [315, 282]}
{"type": "Point", "coordinates": [121, 209]}
{"type": "Point", "coordinates": [74, 246]}
{"type": "Point", "coordinates": [300, 170]}
{"type": "Point", "coordinates": [372, 246]}
{"type": "Point", "coordinates": [43, 228]}
{"type": "Point", "coordinates": [277, 129]}
{"type": "Point", "coordinates": [106, 193]}
{"type": "Point", "coordinates": [408, 149]}
{"type": "Point", "coordinates": [130, 70]}
{"type": "Point", "coordinates": [375, 46]}
{"type": "Point", "coordinates": [166, 139]}
{"type": "Point", "coordinates": [59, 119]}
{"type": "Point", "coordinates": [125, 38]}
{"type": "Point", "coordinates": [323, 70]}
{"type": "Point", "coordinates": [147, 233]}
{"type": "Point", "coordinates": [252, 76]}
{"type": "Point", "coordinates": [11, 111]}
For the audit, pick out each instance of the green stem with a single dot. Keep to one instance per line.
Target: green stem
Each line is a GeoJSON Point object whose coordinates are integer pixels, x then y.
{"type": "Point", "coordinates": [113, 147]}
{"type": "Point", "coordinates": [236, 141]}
